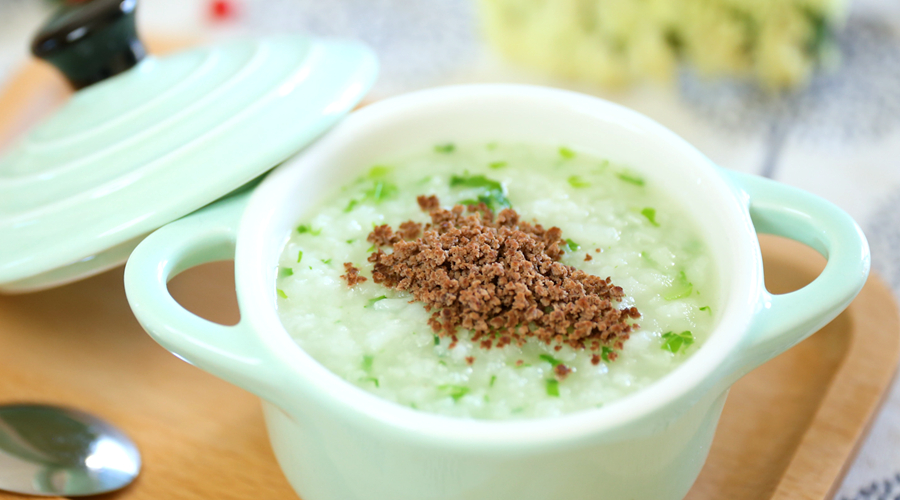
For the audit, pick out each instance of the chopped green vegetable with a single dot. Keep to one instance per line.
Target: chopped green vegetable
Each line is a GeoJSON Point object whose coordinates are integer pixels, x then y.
{"type": "Point", "coordinates": [351, 241]}
{"type": "Point", "coordinates": [371, 249]}
{"type": "Point", "coordinates": [454, 391]}
{"type": "Point", "coordinates": [381, 191]}
{"type": "Point", "coordinates": [553, 387]}
{"type": "Point", "coordinates": [351, 205]}
{"type": "Point", "coordinates": [572, 246]}
{"type": "Point", "coordinates": [437, 340]}
{"type": "Point", "coordinates": [631, 178]}
{"type": "Point", "coordinates": [326, 261]}
{"type": "Point", "coordinates": [494, 196]}
{"type": "Point", "coordinates": [299, 256]}
{"type": "Point", "coordinates": [376, 299]}
{"type": "Point", "coordinates": [493, 379]}
{"type": "Point", "coordinates": [680, 288]}
{"type": "Point", "coordinates": [674, 342]}
{"type": "Point", "coordinates": [476, 181]}
{"type": "Point", "coordinates": [379, 171]}
{"type": "Point", "coordinates": [577, 182]}
{"type": "Point", "coordinates": [707, 309]}
{"type": "Point", "coordinates": [367, 363]}
{"type": "Point", "coordinates": [281, 293]}
{"type": "Point", "coordinates": [284, 272]}
{"type": "Point", "coordinates": [371, 379]}
{"type": "Point", "coordinates": [445, 148]}
{"type": "Point", "coordinates": [497, 164]}
{"type": "Point", "coordinates": [550, 359]}
{"type": "Point", "coordinates": [649, 260]}
{"type": "Point", "coordinates": [566, 153]}
{"type": "Point", "coordinates": [303, 228]}
{"type": "Point", "coordinates": [493, 200]}
{"type": "Point", "coordinates": [650, 214]}
{"type": "Point", "coordinates": [605, 352]}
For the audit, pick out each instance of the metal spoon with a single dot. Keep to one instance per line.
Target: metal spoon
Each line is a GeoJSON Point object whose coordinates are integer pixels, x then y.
{"type": "Point", "coordinates": [46, 450]}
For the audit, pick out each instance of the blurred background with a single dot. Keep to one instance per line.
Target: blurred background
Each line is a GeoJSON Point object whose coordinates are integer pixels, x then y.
{"type": "Point", "coordinates": [803, 91]}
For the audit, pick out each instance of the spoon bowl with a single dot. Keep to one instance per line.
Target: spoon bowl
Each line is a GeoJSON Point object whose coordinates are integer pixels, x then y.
{"type": "Point", "coordinates": [53, 451]}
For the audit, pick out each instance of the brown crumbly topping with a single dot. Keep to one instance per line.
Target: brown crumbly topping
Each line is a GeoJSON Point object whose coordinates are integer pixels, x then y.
{"type": "Point", "coordinates": [562, 371]}
{"type": "Point", "coordinates": [595, 359]}
{"type": "Point", "coordinates": [410, 230]}
{"type": "Point", "coordinates": [352, 275]}
{"type": "Point", "coordinates": [588, 257]}
{"type": "Point", "coordinates": [501, 278]}
{"type": "Point", "coordinates": [428, 203]}
{"type": "Point", "coordinates": [383, 235]}
{"type": "Point", "coordinates": [470, 359]}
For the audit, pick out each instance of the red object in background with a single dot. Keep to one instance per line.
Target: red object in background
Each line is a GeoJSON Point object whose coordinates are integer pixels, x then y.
{"type": "Point", "coordinates": [222, 10]}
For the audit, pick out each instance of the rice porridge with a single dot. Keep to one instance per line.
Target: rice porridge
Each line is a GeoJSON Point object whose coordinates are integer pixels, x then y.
{"type": "Point", "coordinates": [580, 340]}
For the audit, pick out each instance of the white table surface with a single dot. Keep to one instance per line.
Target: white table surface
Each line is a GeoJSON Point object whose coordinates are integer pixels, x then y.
{"type": "Point", "coordinates": [840, 139]}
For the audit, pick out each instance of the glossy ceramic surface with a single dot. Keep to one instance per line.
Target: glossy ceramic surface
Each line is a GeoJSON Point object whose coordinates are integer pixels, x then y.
{"type": "Point", "coordinates": [335, 441]}
{"type": "Point", "coordinates": [141, 149]}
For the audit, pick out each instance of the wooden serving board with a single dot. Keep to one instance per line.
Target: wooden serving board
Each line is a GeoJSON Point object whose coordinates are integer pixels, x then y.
{"type": "Point", "coordinates": [789, 429]}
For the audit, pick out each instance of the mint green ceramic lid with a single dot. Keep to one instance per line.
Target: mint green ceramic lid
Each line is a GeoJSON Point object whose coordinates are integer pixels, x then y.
{"type": "Point", "coordinates": [141, 149]}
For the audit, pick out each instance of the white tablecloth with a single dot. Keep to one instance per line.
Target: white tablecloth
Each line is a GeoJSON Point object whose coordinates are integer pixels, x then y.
{"type": "Point", "coordinates": [840, 139]}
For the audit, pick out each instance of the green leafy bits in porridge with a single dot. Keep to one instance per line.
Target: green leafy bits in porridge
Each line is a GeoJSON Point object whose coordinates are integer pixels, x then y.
{"type": "Point", "coordinates": [650, 214]}
{"type": "Point", "coordinates": [572, 246]}
{"type": "Point", "coordinates": [677, 342]}
{"type": "Point", "coordinates": [577, 182]}
{"type": "Point", "coordinates": [531, 265]}
{"type": "Point", "coordinates": [303, 228]}
{"type": "Point", "coordinates": [631, 178]}
{"type": "Point", "coordinates": [493, 194]}
{"type": "Point", "coordinates": [566, 153]}
{"type": "Point", "coordinates": [552, 387]}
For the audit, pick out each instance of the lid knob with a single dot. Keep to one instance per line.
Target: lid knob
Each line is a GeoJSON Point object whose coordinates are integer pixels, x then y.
{"type": "Point", "coordinates": [90, 40]}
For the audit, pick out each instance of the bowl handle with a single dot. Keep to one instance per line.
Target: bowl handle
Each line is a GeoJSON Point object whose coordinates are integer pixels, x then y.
{"type": "Point", "coordinates": [784, 320]}
{"type": "Point", "coordinates": [232, 353]}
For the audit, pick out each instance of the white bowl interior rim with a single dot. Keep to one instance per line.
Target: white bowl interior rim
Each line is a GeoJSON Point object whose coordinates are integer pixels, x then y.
{"type": "Point", "coordinates": [482, 113]}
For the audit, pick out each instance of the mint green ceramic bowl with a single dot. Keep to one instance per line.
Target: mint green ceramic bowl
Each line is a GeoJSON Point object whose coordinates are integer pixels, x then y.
{"type": "Point", "coordinates": [335, 441]}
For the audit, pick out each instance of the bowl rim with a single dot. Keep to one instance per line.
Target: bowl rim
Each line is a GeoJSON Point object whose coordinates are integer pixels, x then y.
{"type": "Point", "coordinates": [672, 394]}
